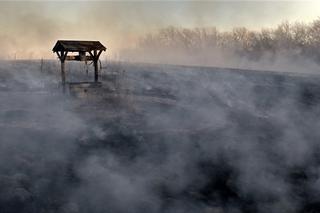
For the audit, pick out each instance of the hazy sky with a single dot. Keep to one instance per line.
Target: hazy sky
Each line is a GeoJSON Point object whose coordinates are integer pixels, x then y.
{"type": "Point", "coordinates": [30, 28]}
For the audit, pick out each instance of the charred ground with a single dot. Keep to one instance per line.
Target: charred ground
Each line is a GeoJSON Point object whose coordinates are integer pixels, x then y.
{"type": "Point", "coordinates": [159, 138]}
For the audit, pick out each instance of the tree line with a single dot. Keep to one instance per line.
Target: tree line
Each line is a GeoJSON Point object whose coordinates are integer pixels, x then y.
{"type": "Point", "coordinates": [293, 39]}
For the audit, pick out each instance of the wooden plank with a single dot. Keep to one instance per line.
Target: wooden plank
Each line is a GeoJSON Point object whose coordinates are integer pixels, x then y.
{"type": "Point", "coordinates": [77, 58]}
{"type": "Point", "coordinates": [72, 58]}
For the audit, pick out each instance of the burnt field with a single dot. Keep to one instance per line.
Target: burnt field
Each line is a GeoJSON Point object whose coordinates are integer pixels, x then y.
{"type": "Point", "coordinates": [158, 138]}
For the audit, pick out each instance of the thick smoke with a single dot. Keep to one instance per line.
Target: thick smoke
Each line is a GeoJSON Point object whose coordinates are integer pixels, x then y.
{"type": "Point", "coordinates": [37, 134]}
{"type": "Point", "coordinates": [159, 139]}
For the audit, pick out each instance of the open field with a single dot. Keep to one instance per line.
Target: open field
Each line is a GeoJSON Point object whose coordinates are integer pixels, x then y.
{"type": "Point", "coordinates": [158, 138]}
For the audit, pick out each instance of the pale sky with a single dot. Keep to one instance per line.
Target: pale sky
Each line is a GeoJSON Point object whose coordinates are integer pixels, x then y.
{"type": "Point", "coordinates": [29, 29]}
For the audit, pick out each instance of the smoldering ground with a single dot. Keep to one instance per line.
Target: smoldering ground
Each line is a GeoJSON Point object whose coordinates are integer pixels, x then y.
{"type": "Point", "coordinates": [172, 139]}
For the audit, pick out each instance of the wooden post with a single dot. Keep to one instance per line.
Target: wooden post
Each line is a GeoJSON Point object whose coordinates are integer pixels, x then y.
{"type": "Point", "coordinates": [62, 57]}
{"type": "Point", "coordinates": [63, 76]}
{"type": "Point", "coordinates": [87, 70]}
{"type": "Point", "coordinates": [96, 75]}
{"type": "Point", "coordinates": [95, 64]}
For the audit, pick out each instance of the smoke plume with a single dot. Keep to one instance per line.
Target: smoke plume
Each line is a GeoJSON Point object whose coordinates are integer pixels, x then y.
{"type": "Point", "coordinates": [174, 139]}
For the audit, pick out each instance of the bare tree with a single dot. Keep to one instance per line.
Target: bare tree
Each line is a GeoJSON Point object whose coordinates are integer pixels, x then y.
{"type": "Point", "coordinates": [298, 39]}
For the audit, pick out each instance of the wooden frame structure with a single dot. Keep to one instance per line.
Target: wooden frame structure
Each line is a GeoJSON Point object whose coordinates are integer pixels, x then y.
{"type": "Point", "coordinates": [93, 48]}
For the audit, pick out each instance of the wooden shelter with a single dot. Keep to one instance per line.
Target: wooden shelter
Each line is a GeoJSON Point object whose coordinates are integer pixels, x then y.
{"type": "Point", "coordinates": [87, 51]}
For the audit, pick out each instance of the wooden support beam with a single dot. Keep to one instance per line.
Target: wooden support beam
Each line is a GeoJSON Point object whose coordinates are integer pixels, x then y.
{"type": "Point", "coordinates": [91, 54]}
{"type": "Point", "coordinates": [63, 76]}
{"type": "Point", "coordinates": [65, 55]}
{"type": "Point", "coordinates": [87, 70]}
{"type": "Point", "coordinates": [95, 64]}
{"type": "Point", "coordinates": [63, 72]}
{"type": "Point", "coordinates": [99, 54]}
{"type": "Point", "coordinates": [59, 56]}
